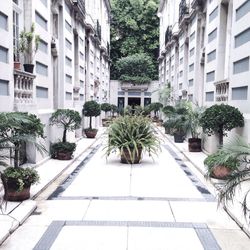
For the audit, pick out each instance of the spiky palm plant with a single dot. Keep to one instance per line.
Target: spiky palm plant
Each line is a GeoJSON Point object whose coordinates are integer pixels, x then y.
{"type": "Point", "coordinates": [239, 149]}
{"type": "Point", "coordinates": [131, 134]}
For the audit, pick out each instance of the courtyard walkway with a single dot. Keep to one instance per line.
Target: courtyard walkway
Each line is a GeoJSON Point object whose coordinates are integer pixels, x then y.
{"type": "Point", "coordinates": [98, 203]}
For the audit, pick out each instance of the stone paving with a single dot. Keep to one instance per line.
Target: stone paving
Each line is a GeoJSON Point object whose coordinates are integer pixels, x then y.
{"type": "Point", "coordinates": [99, 203]}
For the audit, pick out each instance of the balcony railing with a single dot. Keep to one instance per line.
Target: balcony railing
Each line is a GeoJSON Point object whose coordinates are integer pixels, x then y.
{"type": "Point", "coordinates": [168, 34]}
{"type": "Point", "coordinates": [222, 91]}
{"type": "Point", "coordinates": [23, 87]}
{"type": "Point", "coordinates": [183, 10]}
{"type": "Point", "coordinates": [80, 6]}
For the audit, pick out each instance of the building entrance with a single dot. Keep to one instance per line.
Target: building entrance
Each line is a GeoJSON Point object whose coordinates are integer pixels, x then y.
{"type": "Point", "coordinates": [134, 102]}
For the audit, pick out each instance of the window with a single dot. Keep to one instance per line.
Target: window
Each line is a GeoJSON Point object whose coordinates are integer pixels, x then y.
{"type": "Point", "coordinates": [41, 92]}
{"type": "Point", "coordinates": [241, 66]}
{"type": "Point", "coordinates": [81, 56]}
{"type": "Point", "coordinates": [181, 48]}
{"type": "Point", "coordinates": [44, 2]}
{"type": "Point", "coordinates": [68, 44]}
{"type": "Point", "coordinates": [16, 34]}
{"type": "Point", "coordinates": [4, 55]}
{"type": "Point", "coordinates": [68, 78]}
{"type": "Point", "coordinates": [191, 67]}
{"type": "Point", "coordinates": [68, 26]}
{"type": "Point", "coordinates": [213, 14]}
{"type": "Point", "coordinates": [181, 73]}
{"type": "Point", "coordinates": [81, 97]}
{"type": "Point", "coordinates": [191, 82]}
{"type": "Point", "coordinates": [181, 60]}
{"type": "Point", "coordinates": [68, 61]}
{"type": "Point", "coordinates": [190, 97]}
{"type": "Point", "coordinates": [243, 10]}
{"type": "Point", "coordinates": [193, 20]}
{"type": "Point", "coordinates": [242, 38]}
{"type": "Point", "coordinates": [212, 35]}
{"type": "Point", "coordinates": [3, 21]}
{"type": "Point", "coordinates": [41, 69]}
{"type": "Point", "coordinates": [41, 20]}
{"type": "Point", "coordinates": [210, 96]}
{"type": "Point", "coordinates": [211, 56]}
{"type": "Point", "coordinates": [191, 52]}
{"type": "Point", "coordinates": [192, 36]}
{"type": "Point", "coordinates": [82, 70]}
{"type": "Point", "coordinates": [180, 85]}
{"type": "Point", "coordinates": [210, 76]}
{"type": "Point", "coordinates": [68, 96]}
{"type": "Point", "coordinates": [81, 83]}
{"type": "Point", "coordinates": [239, 93]}
{"type": "Point", "coordinates": [4, 88]}
{"type": "Point", "coordinates": [43, 46]}
{"type": "Point", "coordinates": [81, 41]}
{"type": "Point", "coordinates": [15, 1]}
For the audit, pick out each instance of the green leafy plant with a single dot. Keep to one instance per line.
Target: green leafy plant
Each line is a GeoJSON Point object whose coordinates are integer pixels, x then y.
{"type": "Point", "coordinates": [20, 178]}
{"type": "Point", "coordinates": [17, 129]}
{"type": "Point", "coordinates": [28, 44]}
{"type": "Point", "coordinates": [135, 68]}
{"type": "Point", "coordinates": [106, 107]}
{"type": "Point", "coordinates": [114, 109]}
{"type": "Point", "coordinates": [156, 106]}
{"type": "Point", "coordinates": [91, 109]}
{"type": "Point", "coordinates": [218, 119]}
{"type": "Point", "coordinates": [132, 134]}
{"type": "Point", "coordinates": [62, 147]}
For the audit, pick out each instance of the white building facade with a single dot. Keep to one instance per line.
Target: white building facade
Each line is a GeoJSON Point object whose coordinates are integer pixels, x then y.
{"type": "Point", "coordinates": [205, 53]}
{"type": "Point", "coordinates": [71, 64]}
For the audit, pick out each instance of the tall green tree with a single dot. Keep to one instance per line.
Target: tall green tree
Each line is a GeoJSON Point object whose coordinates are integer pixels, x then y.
{"type": "Point", "coordinates": [134, 29]}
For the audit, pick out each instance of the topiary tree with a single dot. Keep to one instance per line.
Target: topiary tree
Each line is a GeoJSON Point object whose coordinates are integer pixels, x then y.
{"type": "Point", "coordinates": [91, 109]}
{"type": "Point", "coordinates": [106, 107]}
{"type": "Point", "coordinates": [218, 119]}
{"type": "Point", "coordinates": [68, 119]}
{"type": "Point", "coordinates": [114, 109]}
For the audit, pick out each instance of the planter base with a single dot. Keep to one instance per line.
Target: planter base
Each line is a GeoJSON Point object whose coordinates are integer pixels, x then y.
{"type": "Point", "coordinates": [126, 159]}
{"type": "Point", "coordinates": [13, 195]}
{"type": "Point", "coordinates": [194, 145]}
{"type": "Point", "coordinates": [221, 172]}
{"type": "Point", "coordinates": [90, 133]}
{"type": "Point", "coordinates": [64, 156]}
{"type": "Point", "coordinates": [178, 138]}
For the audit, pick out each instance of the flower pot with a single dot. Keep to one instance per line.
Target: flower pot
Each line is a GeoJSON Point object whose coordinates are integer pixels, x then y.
{"type": "Point", "coordinates": [167, 130]}
{"type": "Point", "coordinates": [11, 193]}
{"type": "Point", "coordinates": [90, 133]}
{"type": "Point", "coordinates": [17, 65]}
{"type": "Point", "coordinates": [125, 157]}
{"type": "Point", "coordinates": [194, 145]}
{"type": "Point", "coordinates": [178, 138]}
{"type": "Point", "coordinates": [29, 68]}
{"type": "Point", "coordinates": [64, 155]}
{"type": "Point", "coordinates": [221, 172]}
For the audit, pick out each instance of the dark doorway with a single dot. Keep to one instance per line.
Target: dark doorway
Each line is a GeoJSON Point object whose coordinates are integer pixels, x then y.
{"type": "Point", "coordinates": [134, 102]}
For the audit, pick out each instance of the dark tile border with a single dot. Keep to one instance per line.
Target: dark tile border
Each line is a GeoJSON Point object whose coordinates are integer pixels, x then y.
{"type": "Point", "coordinates": [63, 186]}
{"type": "Point", "coordinates": [193, 178]}
{"type": "Point", "coordinates": [203, 232]}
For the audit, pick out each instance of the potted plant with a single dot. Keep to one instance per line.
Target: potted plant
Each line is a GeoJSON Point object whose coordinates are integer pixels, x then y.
{"type": "Point", "coordinates": [17, 129]}
{"type": "Point", "coordinates": [114, 109]}
{"type": "Point", "coordinates": [17, 63]}
{"type": "Point", "coordinates": [69, 120]}
{"type": "Point", "coordinates": [91, 109]}
{"type": "Point", "coordinates": [218, 119]}
{"type": "Point", "coordinates": [194, 116]}
{"type": "Point", "coordinates": [17, 182]}
{"type": "Point", "coordinates": [168, 111]}
{"type": "Point", "coordinates": [29, 43]}
{"type": "Point", "coordinates": [179, 126]}
{"type": "Point", "coordinates": [156, 106]}
{"type": "Point", "coordinates": [131, 135]}
{"type": "Point", "coordinates": [219, 165]}
{"type": "Point", "coordinates": [106, 107]}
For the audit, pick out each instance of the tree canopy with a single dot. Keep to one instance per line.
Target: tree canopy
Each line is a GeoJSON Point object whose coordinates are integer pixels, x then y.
{"type": "Point", "coordinates": [134, 29]}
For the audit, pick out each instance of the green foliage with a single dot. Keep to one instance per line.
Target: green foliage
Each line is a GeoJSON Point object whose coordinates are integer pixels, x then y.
{"type": "Point", "coordinates": [91, 109]}
{"type": "Point", "coordinates": [17, 128]}
{"type": "Point", "coordinates": [105, 107]}
{"type": "Point", "coordinates": [28, 44]}
{"type": "Point", "coordinates": [220, 158]}
{"type": "Point", "coordinates": [20, 178]}
{"type": "Point", "coordinates": [68, 119]}
{"type": "Point", "coordinates": [114, 109]}
{"type": "Point", "coordinates": [62, 147]}
{"type": "Point", "coordinates": [131, 133]}
{"type": "Point", "coordinates": [155, 106]}
{"type": "Point", "coordinates": [221, 118]}
{"type": "Point", "coordinates": [134, 29]}
{"type": "Point", "coordinates": [237, 148]}
{"type": "Point", "coordinates": [165, 94]}
{"type": "Point", "coordinates": [135, 68]}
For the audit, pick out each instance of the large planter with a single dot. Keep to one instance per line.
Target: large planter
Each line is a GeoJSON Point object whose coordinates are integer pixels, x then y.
{"type": "Point", "coordinates": [17, 65]}
{"type": "Point", "coordinates": [179, 137]}
{"type": "Point", "coordinates": [29, 68]}
{"type": "Point", "coordinates": [220, 172]}
{"type": "Point", "coordinates": [125, 157]}
{"type": "Point", "coordinates": [11, 193]}
{"type": "Point", "coordinates": [64, 155]}
{"type": "Point", "coordinates": [90, 133]}
{"type": "Point", "coordinates": [194, 145]}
